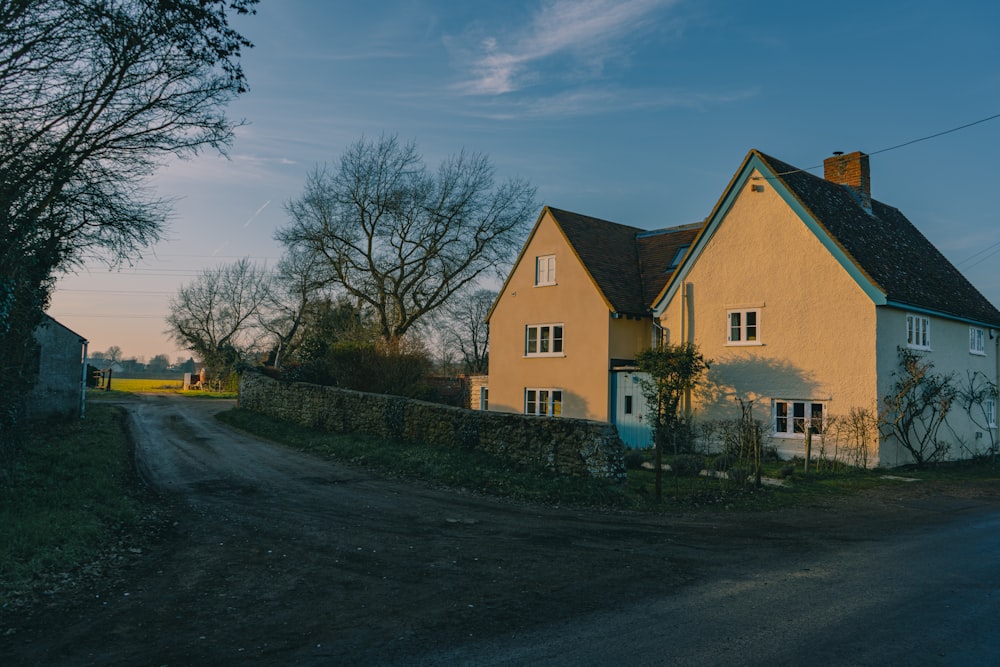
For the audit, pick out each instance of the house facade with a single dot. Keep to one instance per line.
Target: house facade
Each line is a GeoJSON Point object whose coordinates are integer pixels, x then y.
{"type": "Point", "coordinates": [801, 289]}
{"type": "Point", "coordinates": [574, 309]}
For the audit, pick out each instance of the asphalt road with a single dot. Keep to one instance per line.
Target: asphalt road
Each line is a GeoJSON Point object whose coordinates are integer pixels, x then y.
{"type": "Point", "coordinates": [267, 556]}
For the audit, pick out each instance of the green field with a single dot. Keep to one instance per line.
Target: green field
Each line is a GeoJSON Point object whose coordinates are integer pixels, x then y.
{"type": "Point", "coordinates": [145, 385]}
{"type": "Point", "coordinates": [152, 386]}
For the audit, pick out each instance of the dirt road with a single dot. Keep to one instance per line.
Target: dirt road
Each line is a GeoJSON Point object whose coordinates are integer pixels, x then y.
{"type": "Point", "coordinates": [268, 556]}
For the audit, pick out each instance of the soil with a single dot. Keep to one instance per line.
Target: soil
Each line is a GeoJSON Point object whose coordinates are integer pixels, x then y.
{"type": "Point", "coordinates": [254, 554]}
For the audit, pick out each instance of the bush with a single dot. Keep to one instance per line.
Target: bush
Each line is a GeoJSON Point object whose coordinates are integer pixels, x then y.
{"type": "Point", "coordinates": [688, 465]}
{"type": "Point", "coordinates": [739, 475]}
{"type": "Point", "coordinates": [723, 462]}
{"type": "Point", "coordinates": [634, 458]}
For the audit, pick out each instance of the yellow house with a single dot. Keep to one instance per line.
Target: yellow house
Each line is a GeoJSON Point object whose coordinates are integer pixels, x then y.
{"type": "Point", "coordinates": [575, 307]}
{"type": "Point", "coordinates": [802, 291]}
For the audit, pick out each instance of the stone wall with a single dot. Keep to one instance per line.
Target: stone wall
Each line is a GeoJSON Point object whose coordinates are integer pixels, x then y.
{"type": "Point", "coordinates": [566, 446]}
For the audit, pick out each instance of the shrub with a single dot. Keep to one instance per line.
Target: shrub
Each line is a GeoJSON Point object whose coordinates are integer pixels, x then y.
{"type": "Point", "coordinates": [723, 462]}
{"type": "Point", "coordinates": [634, 458]}
{"type": "Point", "coordinates": [688, 465]}
{"type": "Point", "coordinates": [739, 475]}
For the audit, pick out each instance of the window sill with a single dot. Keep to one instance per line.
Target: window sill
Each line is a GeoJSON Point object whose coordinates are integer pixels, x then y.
{"type": "Point", "coordinates": [729, 343]}
{"type": "Point", "coordinates": [553, 355]}
{"type": "Point", "coordinates": [918, 349]}
{"type": "Point", "coordinates": [977, 354]}
{"type": "Point", "coordinates": [545, 284]}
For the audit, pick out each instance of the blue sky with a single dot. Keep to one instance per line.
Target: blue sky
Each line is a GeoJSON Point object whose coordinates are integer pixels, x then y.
{"type": "Point", "coordinates": [634, 111]}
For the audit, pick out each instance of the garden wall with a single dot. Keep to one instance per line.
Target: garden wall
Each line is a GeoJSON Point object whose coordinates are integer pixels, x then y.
{"type": "Point", "coordinates": [566, 446]}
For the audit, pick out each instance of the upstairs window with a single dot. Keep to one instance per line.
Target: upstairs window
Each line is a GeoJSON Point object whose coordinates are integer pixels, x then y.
{"type": "Point", "coordinates": [790, 419]}
{"type": "Point", "coordinates": [543, 340]}
{"type": "Point", "coordinates": [977, 341]}
{"type": "Point", "coordinates": [543, 402]}
{"type": "Point", "coordinates": [743, 327]}
{"type": "Point", "coordinates": [545, 270]}
{"type": "Point", "coordinates": [918, 332]}
{"type": "Point", "coordinates": [991, 412]}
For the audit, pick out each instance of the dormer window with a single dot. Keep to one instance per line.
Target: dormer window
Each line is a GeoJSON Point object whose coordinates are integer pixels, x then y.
{"type": "Point", "coordinates": [545, 270]}
{"type": "Point", "coordinates": [678, 256]}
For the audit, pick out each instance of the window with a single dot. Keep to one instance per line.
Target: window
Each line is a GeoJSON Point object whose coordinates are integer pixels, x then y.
{"type": "Point", "coordinates": [484, 398]}
{"type": "Point", "coordinates": [545, 270]}
{"type": "Point", "coordinates": [744, 327]}
{"type": "Point", "coordinates": [543, 340]}
{"type": "Point", "coordinates": [918, 332]}
{"type": "Point", "coordinates": [628, 405]}
{"type": "Point", "coordinates": [543, 402]}
{"type": "Point", "coordinates": [977, 341]}
{"type": "Point", "coordinates": [678, 256]}
{"type": "Point", "coordinates": [991, 412]}
{"type": "Point", "coordinates": [790, 419]}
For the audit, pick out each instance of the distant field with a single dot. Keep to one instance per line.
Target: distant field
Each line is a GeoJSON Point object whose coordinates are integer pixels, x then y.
{"type": "Point", "coordinates": [141, 385]}
{"type": "Point", "coordinates": [146, 385]}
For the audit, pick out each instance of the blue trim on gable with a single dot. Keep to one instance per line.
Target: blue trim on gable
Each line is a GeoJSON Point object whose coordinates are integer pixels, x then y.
{"type": "Point", "coordinates": [937, 313]}
{"type": "Point", "coordinates": [722, 210]}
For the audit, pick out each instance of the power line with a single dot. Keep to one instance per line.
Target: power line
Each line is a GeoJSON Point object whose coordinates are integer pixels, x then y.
{"type": "Point", "coordinates": [907, 143]}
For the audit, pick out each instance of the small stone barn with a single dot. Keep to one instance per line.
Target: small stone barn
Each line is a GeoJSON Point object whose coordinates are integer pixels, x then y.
{"type": "Point", "coordinates": [60, 388]}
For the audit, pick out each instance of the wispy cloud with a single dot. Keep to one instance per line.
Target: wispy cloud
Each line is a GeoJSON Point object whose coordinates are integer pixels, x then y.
{"type": "Point", "coordinates": [606, 100]}
{"type": "Point", "coordinates": [587, 30]}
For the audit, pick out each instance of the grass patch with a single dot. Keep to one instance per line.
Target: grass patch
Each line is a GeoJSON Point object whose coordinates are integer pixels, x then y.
{"type": "Point", "coordinates": [458, 468]}
{"type": "Point", "coordinates": [480, 472]}
{"type": "Point", "coordinates": [72, 487]}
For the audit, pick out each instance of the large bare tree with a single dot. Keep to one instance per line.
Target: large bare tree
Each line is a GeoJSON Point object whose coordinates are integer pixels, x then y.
{"type": "Point", "coordinates": [94, 95]}
{"type": "Point", "coordinates": [216, 315]}
{"type": "Point", "coordinates": [402, 239]}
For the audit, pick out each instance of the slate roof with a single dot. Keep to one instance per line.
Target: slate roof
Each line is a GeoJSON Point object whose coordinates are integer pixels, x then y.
{"type": "Point", "coordinates": [627, 264]}
{"type": "Point", "coordinates": [886, 247]}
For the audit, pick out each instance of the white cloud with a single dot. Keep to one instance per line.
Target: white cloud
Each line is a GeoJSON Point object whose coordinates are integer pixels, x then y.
{"type": "Point", "coordinates": [588, 31]}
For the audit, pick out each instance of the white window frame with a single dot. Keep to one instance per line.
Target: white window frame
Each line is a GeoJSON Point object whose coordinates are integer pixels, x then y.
{"type": "Point", "coordinates": [991, 412]}
{"type": "Point", "coordinates": [788, 421]}
{"type": "Point", "coordinates": [977, 341]}
{"type": "Point", "coordinates": [545, 270]}
{"type": "Point", "coordinates": [484, 398]}
{"type": "Point", "coordinates": [918, 332]}
{"type": "Point", "coordinates": [742, 327]}
{"type": "Point", "coordinates": [543, 401]}
{"type": "Point", "coordinates": [544, 337]}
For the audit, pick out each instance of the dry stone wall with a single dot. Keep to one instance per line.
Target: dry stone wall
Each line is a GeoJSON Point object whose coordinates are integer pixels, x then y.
{"type": "Point", "coordinates": [566, 446]}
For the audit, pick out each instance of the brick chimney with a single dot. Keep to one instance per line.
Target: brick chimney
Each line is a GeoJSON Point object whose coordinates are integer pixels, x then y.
{"type": "Point", "coordinates": [853, 171]}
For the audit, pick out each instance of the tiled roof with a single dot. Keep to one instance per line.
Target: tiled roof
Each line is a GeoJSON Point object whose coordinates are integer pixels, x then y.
{"type": "Point", "coordinates": [627, 263]}
{"type": "Point", "coordinates": [887, 248]}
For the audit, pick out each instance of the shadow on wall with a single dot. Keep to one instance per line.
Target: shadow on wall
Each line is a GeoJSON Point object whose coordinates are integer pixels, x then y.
{"type": "Point", "coordinates": [752, 379]}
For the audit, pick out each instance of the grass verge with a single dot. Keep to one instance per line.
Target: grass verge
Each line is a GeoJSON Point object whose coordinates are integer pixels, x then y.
{"type": "Point", "coordinates": [456, 468]}
{"type": "Point", "coordinates": [480, 472]}
{"type": "Point", "coordinates": [71, 489]}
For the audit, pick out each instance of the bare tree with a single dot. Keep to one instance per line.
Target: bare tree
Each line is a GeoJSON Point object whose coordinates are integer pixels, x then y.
{"type": "Point", "coordinates": [978, 395]}
{"type": "Point", "coordinates": [464, 329]}
{"type": "Point", "coordinates": [297, 284]}
{"type": "Point", "coordinates": [917, 406]}
{"type": "Point", "coordinates": [94, 95]}
{"type": "Point", "coordinates": [216, 315]}
{"type": "Point", "coordinates": [114, 354]}
{"type": "Point", "coordinates": [402, 240]}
